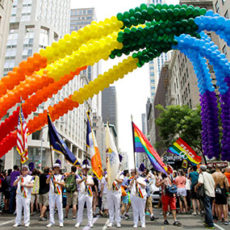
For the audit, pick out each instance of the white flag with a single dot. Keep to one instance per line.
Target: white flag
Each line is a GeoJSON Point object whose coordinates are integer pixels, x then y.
{"type": "Point", "coordinates": [112, 158]}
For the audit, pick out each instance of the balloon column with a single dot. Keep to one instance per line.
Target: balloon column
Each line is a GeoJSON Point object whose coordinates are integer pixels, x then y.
{"type": "Point", "coordinates": [141, 34]}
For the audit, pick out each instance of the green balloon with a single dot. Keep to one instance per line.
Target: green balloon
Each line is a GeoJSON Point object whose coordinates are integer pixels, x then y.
{"type": "Point", "coordinates": [132, 20]}
{"type": "Point", "coordinates": [137, 15]}
{"type": "Point", "coordinates": [176, 12]}
{"type": "Point", "coordinates": [158, 6]}
{"type": "Point", "coordinates": [131, 12]}
{"type": "Point", "coordinates": [120, 16]}
{"type": "Point", "coordinates": [171, 6]}
{"type": "Point", "coordinates": [144, 13]}
{"type": "Point", "coordinates": [203, 11]}
{"type": "Point", "coordinates": [150, 10]}
{"type": "Point", "coordinates": [126, 14]}
{"type": "Point", "coordinates": [182, 12]}
{"type": "Point", "coordinates": [143, 6]}
{"type": "Point", "coordinates": [164, 14]}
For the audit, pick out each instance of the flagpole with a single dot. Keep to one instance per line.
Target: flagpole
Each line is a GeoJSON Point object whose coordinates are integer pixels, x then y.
{"type": "Point", "coordinates": [134, 154]}
{"type": "Point", "coordinates": [51, 155]}
{"type": "Point", "coordinates": [20, 110]}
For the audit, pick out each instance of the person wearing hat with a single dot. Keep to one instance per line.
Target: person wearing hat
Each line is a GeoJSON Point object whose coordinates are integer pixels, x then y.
{"type": "Point", "coordinates": [85, 195]}
{"type": "Point", "coordinates": [138, 196]}
{"type": "Point", "coordinates": [24, 185]}
{"type": "Point", "coordinates": [56, 182]}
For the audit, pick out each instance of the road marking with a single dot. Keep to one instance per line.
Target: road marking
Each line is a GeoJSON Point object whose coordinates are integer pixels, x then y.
{"type": "Point", "coordinates": [106, 224]}
{"type": "Point", "coordinates": [216, 225]}
{"type": "Point", "coordinates": [94, 220]}
{"type": "Point", "coordinates": [7, 222]}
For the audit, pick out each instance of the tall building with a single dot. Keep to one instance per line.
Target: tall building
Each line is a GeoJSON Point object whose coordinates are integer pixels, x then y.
{"type": "Point", "coordinates": [109, 106]}
{"type": "Point", "coordinates": [5, 10]}
{"type": "Point", "coordinates": [156, 64]}
{"type": "Point", "coordinates": [222, 7]}
{"type": "Point", "coordinates": [35, 24]}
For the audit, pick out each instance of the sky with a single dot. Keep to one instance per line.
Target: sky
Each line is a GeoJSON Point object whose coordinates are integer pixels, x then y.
{"type": "Point", "coordinates": [134, 89]}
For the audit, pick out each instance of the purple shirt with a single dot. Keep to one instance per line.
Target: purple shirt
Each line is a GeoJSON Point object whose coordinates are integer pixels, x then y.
{"type": "Point", "coordinates": [13, 177]}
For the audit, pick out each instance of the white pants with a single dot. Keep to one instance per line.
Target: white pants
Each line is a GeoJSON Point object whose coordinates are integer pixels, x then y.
{"type": "Point", "coordinates": [138, 205]}
{"type": "Point", "coordinates": [82, 198]}
{"type": "Point", "coordinates": [24, 203]}
{"type": "Point", "coordinates": [55, 199]}
{"type": "Point", "coordinates": [114, 202]}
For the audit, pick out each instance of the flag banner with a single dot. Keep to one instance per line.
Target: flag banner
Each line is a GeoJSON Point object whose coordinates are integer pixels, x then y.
{"type": "Point", "coordinates": [181, 148]}
{"type": "Point", "coordinates": [22, 133]}
{"type": "Point", "coordinates": [185, 164]}
{"type": "Point", "coordinates": [58, 145]}
{"type": "Point", "coordinates": [142, 145]}
{"type": "Point", "coordinates": [94, 151]}
{"type": "Point", "coordinates": [112, 158]}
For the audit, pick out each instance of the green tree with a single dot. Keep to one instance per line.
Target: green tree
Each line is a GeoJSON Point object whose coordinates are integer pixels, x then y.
{"type": "Point", "coordinates": [179, 121]}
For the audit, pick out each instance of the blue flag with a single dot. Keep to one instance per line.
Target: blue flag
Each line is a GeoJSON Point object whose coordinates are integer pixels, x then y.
{"type": "Point", "coordinates": [59, 145]}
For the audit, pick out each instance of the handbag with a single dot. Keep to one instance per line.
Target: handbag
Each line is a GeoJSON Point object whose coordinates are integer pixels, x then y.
{"type": "Point", "coordinates": [218, 190]}
{"type": "Point", "coordinates": [200, 192]}
{"type": "Point", "coordinates": [171, 189]}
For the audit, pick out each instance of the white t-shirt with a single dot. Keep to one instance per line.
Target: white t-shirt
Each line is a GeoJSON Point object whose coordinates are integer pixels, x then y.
{"type": "Point", "coordinates": [56, 189]}
{"type": "Point", "coordinates": [83, 188]}
{"type": "Point", "coordinates": [137, 189]}
{"type": "Point", "coordinates": [209, 183]}
{"type": "Point", "coordinates": [23, 191]}
{"type": "Point", "coordinates": [188, 184]}
{"type": "Point", "coordinates": [104, 183]}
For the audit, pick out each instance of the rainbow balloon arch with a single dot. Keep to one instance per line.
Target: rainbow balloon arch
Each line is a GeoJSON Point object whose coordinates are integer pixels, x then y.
{"type": "Point", "coordinates": [141, 34]}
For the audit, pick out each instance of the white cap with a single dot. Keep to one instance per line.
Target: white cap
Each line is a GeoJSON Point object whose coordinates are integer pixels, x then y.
{"type": "Point", "coordinates": [56, 165]}
{"type": "Point", "coordinates": [25, 166]}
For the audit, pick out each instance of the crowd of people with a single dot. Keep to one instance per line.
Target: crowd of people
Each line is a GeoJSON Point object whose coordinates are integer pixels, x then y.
{"type": "Point", "coordinates": [192, 191]}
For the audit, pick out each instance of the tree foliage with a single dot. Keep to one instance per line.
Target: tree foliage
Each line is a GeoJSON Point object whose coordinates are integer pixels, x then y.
{"type": "Point", "coordinates": [179, 121]}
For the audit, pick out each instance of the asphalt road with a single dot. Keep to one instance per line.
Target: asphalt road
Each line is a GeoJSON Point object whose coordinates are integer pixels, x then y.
{"type": "Point", "coordinates": [188, 222]}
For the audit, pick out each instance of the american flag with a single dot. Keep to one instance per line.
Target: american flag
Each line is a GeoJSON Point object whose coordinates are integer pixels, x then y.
{"type": "Point", "coordinates": [22, 132]}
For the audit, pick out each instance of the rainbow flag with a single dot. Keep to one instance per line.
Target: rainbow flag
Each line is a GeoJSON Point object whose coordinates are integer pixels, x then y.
{"type": "Point", "coordinates": [181, 148]}
{"type": "Point", "coordinates": [142, 145]}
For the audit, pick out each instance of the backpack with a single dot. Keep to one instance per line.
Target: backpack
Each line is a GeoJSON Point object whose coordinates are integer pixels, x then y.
{"type": "Point", "coordinates": [71, 184]}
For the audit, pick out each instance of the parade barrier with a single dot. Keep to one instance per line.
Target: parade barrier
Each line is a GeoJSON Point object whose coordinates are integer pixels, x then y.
{"type": "Point", "coordinates": [142, 34]}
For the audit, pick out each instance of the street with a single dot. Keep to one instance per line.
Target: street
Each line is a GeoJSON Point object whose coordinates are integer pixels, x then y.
{"type": "Point", "coordinates": [188, 222]}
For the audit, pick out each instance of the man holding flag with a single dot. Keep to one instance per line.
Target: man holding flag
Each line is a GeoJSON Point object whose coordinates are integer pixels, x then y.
{"type": "Point", "coordinates": [115, 180]}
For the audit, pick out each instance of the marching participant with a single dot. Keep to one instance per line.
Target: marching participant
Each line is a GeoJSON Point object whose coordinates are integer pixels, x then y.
{"type": "Point", "coordinates": [56, 182]}
{"type": "Point", "coordinates": [85, 183]}
{"type": "Point", "coordinates": [24, 185]}
{"type": "Point", "coordinates": [138, 196]}
{"type": "Point", "coordinates": [114, 201]}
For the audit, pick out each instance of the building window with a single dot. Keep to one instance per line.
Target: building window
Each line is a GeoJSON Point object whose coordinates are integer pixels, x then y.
{"type": "Point", "coordinates": [36, 135]}
{"type": "Point", "coordinates": [226, 15]}
{"type": "Point", "coordinates": [224, 49]}
{"type": "Point", "coordinates": [217, 7]}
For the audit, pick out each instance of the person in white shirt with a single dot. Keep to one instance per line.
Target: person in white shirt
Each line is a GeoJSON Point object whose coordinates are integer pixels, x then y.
{"type": "Point", "coordinates": [138, 196]}
{"type": "Point", "coordinates": [56, 182]}
{"type": "Point", "coordinates": [104, 190]}
{"type": "Point", "coordinates": [206, 179]}
{"type": "Point", "coordinates": [114, 201]}
{"type": "Point", "coordinates": [24, 185]}
{"type": "Point", "coordinates": [85, 195]}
